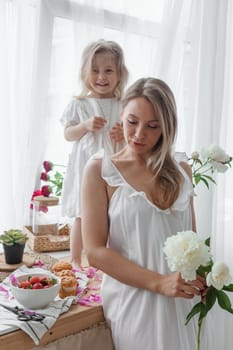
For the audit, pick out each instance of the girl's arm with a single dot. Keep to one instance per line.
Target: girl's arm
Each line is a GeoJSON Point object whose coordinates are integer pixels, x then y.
{"type": "Point", "coordinates": [76, 132]}
{"type": "Point", "coordinates": [116, 133]}
{"type": "Point", "coordinates": [95, 226]}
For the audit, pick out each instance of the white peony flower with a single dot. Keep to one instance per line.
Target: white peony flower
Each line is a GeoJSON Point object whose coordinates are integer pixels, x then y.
{"type": "Point", "coordinates": [195, 155]}
{"type": "Point", "coordinates": [219, 276]}
{"type": "Point", "coordinates": [219, 167]}
{"type": "Point", "coordinates": [215, 153]}
{"type": "Point", "coordinates": [185, 252]}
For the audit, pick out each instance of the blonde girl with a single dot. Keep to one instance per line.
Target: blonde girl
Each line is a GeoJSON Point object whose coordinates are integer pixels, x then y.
{"type": "Point", "coordinates": [91, 121]}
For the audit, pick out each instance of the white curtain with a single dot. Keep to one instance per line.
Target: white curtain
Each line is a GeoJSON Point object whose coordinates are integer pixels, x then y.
{"type": "Point", "coordinates": [18, 122]}
{"type": "Point", "coordinates": [223, 197]}
{"type": "Point", "coordinates": [187, 43]}
{"type": "Point", "coordinates": [190, 47]}
{"type": "Point", "coordinates": [24, 121]}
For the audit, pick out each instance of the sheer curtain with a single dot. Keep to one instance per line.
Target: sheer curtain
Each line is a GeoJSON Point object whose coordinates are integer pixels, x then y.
{"type": "Point", "coordinates": [24, 122]}
{"type": "Point", "coordinates": [223, 196]}
{"type": "Point", "coordinates": [18, 130]}
{"type": "Point", "coordinates": [182, 42]}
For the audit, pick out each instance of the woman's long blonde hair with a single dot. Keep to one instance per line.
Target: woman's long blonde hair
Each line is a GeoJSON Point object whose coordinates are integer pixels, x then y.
{"type": "Point", "coordinates": [161, 161]}
{"type": "Point", "coordinates": [88, 57]}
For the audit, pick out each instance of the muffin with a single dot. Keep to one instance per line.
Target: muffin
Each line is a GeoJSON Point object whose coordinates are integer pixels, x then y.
{"type": "Point", "coordinates": [61, 265]}
{"type": "Point", "coordinates": [68, 286]}
{"type": "Point", "coordinates": [64, 273]}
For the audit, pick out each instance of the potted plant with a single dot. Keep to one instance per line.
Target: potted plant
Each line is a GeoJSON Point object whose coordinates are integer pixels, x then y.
{"type": "Point", "coordinates": [13, 242]}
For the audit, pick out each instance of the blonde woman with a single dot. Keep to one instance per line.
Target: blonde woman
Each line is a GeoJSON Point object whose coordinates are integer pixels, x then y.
{"type": "Point", "coordinates": [142, 195]}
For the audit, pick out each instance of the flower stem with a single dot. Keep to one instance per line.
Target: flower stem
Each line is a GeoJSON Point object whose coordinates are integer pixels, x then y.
{"type": "Point", "coordinates": [61, 165]}
{"type": "Point", "coordinates": [202, 166]}
{"type": "Point", "coordinates": [199, 334]}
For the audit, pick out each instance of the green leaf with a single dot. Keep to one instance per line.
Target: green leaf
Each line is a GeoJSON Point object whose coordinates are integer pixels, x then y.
{"type": "Point", "coordinates": [195, 310]}
{"type": "Point", "coordinates": [203, 312]}
{"type": "Point", "coordinates": [202, 270]}
{"type": "Point", "coordinates": [205, 181]}
{"type": "Point", "coordinates": [58, 175]}
{"type": "Point", "coordinates": [211, 297]}
{"type": "Point", "coordinates": [207, 242]}
{"type": "Point", "coordinates": [209, 178]}
{"type": "Point", "coordinates": [224, 301]}
{"type": "Point", "coordinates": [228, 288]}
{"type": "Point", "coordinates": [197, 178]}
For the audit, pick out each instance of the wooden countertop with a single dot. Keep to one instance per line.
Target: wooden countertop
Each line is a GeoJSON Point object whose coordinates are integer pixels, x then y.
{"type": "Point", "coordinates": [75, 320]}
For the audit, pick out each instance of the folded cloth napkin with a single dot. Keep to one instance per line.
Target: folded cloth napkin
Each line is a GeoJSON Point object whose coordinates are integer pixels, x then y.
{"type": "Point", "coordinates": [35, 329]}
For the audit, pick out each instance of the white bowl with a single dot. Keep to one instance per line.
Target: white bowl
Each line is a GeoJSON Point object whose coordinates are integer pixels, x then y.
{"type": "Point", "coordinates": [35, 298]}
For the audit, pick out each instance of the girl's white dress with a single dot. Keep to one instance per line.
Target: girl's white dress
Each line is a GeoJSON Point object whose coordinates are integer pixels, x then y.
{"type": "Point", "coordinates": [140, 319]}
{"type": "Point", "coordinates": [77, 111]}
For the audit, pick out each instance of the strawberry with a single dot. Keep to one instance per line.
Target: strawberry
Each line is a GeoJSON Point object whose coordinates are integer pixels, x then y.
{"type": "Point", "coordinates": [37, 286]}
{"type": "Point", "coordinates": [25, 285]}
{"type": "Point", "coordinates": [34, 279]}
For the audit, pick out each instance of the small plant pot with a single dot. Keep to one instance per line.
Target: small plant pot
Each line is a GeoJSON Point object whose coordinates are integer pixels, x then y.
{"type": "Point", "coordinates": [14, 253]}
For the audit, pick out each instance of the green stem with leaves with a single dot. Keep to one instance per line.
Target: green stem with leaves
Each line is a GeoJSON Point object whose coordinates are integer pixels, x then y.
{"type": "Point", "coordinates": [197, 170]}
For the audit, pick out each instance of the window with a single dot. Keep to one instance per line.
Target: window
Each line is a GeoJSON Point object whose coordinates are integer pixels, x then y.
{"type": "Point", "coordinates": [70, 26]}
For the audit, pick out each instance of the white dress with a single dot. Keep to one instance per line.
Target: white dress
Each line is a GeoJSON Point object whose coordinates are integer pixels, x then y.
{"type": "Point", "coordinates": [140, 319]}
{"type": "Point", "coordinates": [77, 111]}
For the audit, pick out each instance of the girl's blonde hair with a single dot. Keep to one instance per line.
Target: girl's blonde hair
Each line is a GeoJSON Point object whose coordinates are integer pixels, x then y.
{"type": "Point", "coordinates": [87, 61]}
{"type": "Point", "coordinates": [161, 161]}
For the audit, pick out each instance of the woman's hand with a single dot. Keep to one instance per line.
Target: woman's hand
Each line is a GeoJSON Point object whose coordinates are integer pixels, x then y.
{"type": "Point", "coordinates": [95, 123]}
{"type": "Point", "coordinates": [116, 133]}
{"type": "Point", "coordinates": [174, 285]}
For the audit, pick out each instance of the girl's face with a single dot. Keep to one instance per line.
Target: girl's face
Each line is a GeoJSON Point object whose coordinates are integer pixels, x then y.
{"type": "Point", "coordinates": [141, 126]}
{"type": "Point", "coordinates": [103, 76]}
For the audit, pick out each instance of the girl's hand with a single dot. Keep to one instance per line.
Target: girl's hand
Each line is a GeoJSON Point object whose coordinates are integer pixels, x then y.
{"type": "Point", "coordinates": [95, 123]}
{"type": "Point", "coordinates": [175, 286]}
{"type": "Point", "coordinates": [116, 133]}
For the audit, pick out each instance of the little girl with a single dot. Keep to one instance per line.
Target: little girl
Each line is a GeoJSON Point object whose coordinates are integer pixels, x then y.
{"type": "Point", "coordinates": [91, 121]}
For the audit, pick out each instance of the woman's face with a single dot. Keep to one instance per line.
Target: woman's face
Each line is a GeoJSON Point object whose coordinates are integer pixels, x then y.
{"type": "Point", "coordinates": [141, 126]}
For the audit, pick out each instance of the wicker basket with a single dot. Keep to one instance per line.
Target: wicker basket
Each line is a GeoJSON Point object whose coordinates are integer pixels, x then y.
{"type": "Point", "coordinates": [48, 243]}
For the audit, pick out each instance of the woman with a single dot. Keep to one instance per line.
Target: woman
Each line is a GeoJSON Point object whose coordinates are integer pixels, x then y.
{"type": "Point", "coordinates": [132, 201]}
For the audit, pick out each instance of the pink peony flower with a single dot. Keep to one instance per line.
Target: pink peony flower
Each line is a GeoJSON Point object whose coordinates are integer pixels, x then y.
{"type": "Point", "coordinates": [47, 165]}
{"type": "Point", "coordinates": [36, 193]}
{"type": "Point", "coordinates": [46, 190]}
{"type": "Point", "coordinates": [44, 176]}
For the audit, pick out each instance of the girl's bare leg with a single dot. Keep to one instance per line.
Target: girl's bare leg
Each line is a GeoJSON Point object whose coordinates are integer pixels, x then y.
{"type": "Point", "coordinates": [76, 243]}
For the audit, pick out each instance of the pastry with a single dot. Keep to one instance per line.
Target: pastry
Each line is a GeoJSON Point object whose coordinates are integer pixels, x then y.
{"type": "Point", "coordinates": [61, 265]}
{"type": "Point", "coordinates": [68, 286]}
{"type": "Point", "coordinates": [64, 273]}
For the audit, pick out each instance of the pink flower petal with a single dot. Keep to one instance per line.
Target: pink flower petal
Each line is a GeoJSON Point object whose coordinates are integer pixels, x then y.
{"type": "Point", "coordinates": [37, 263]}
{"type": "Point", "coordinates": [4, 291]}
{"type": "Point", "coordinates": [13, 279]}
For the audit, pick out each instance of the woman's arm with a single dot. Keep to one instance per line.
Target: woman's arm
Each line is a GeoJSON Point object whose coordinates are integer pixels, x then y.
{"type": "Point", "coordinates": [95, 226]}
